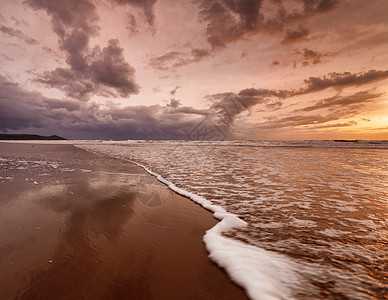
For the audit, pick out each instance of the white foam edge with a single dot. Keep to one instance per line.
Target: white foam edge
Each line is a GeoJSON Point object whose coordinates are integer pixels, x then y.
{"type": "Point", "coordinates": [265, 275]}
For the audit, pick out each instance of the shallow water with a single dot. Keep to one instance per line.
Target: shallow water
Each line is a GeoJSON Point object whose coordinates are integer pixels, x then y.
{"type": "Point", "coordinates": [74, 225]}
{"type": "Point", "coordinates": [323, 207]}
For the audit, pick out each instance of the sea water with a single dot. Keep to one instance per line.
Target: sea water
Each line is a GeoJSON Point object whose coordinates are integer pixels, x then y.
{"type": "Point", "coordinates": [299, 220]}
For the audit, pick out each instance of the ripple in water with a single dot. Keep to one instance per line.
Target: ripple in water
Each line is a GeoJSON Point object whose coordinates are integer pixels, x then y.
{"type": "Point", "coordinates": [326, 208]}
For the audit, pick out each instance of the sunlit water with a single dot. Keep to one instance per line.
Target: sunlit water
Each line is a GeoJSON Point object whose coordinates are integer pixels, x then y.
{"type": "Point", "coordinates": [323, 206]}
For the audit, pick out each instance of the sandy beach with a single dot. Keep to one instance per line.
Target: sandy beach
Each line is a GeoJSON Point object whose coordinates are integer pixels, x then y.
{"type": "Point", "coordinates": [75, 225]}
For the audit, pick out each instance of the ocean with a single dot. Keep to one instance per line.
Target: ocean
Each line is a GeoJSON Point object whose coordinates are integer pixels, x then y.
{"type": "Point", "coordinates": [298, 220]}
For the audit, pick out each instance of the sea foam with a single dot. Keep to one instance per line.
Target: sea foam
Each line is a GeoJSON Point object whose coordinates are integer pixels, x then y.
{"type": "Point", "coordinates": [265, 275]}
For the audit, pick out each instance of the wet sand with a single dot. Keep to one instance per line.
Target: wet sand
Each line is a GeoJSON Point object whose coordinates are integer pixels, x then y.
{"type": "Point", "coordinates": [74, 225]}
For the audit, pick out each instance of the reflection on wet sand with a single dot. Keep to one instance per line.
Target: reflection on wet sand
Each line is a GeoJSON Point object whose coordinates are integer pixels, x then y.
{"type": "Point", "coordinates": [111, 233]}
{"type": "Point", "coordinates": [76, 227]}
{"type": "Point", "coordinates": [91, 230]}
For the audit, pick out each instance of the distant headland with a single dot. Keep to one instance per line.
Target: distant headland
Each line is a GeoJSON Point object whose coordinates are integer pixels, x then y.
{"type": "Point", "coordinates": [4, 136]}
{"type": "Point", "coordinates": [346, 141]}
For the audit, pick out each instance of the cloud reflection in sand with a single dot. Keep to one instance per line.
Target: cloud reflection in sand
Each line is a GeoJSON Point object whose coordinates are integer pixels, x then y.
{"type": "Point", "coordinates": [64, 235]}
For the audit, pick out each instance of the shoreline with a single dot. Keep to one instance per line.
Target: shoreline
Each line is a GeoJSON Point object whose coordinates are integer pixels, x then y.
{"type": "Point", "coordinates": [262, 274]}
{"type": "Point", "coordinates": [132, 237]}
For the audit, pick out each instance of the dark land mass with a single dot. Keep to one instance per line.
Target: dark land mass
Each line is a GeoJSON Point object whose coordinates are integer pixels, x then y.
{"type": "Point", "coordinates": [4, 136]}
{"type": "Point", "coordinates": [346, 141]}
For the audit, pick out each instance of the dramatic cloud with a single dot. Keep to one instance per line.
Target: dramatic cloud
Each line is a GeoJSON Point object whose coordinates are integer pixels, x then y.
{"type": "Point", "coordinates": [104, 72]}
{"type": "Point", "coordinates": [17, 33]}
{"type": "Point", "coordinates": [107, 74]}
{"type": "Point", "coordinates": [227, 106]}
{"type": "Point", "coordinates": [20, 109]}
{"type": "Point", "coordinates": [74, 21]}
{"type": "Point", "coordinates": [228, 21]}
{"type": "Point", "coordinates": [24, 110]}
{"type": "Point", "coordinates": [222, 27]}
{"type": "Point", "coordinates": [224, 68]}
{"type": "Point", "coordinates": [344, 79]}
{"type": "Point", "coordinates": [108, 67]}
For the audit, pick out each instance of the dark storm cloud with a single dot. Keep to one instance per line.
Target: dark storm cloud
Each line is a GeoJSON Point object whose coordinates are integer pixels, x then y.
{"type": "Point", "coordinates": [222, 28]}
{"type": "Point", "coordinates": [230, 20]}
{"type": "Point", "coordinates": [359, 98]}
{"type": "Point", "coordinates": [341, 80]}
{"type": "Point", "coordinates": [21, 109]}
{"type": "Point", "coordinates": [107, 74]}
{"type": "Point", "coordinates": [190, 110]}
{"type": "Point", "coordinates": [174, 106]}
{"type": "Point", "coordinates": [74, 21]}
{"type": "Point", "coordinates": [95, 71]}
{"type": "Point", "coordinates": [108, 67]}
{"type": "Point", "coordinates": [152, 122]}
{"type": "Point", "coordinates": [227, 106]}
{"type": "Point", "coordinates": [174, 59]}
{"type": "Point", "coordinates": [69, 82]}
{"type": "Point", "coordinates": [17, 33]}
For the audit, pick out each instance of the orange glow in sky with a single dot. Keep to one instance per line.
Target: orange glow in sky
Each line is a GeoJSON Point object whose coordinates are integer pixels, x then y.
{"type": "Point", "coordinates": [126, 69]}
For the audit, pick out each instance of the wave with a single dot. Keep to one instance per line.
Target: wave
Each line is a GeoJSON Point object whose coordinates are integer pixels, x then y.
{"type": "Point", "coordinates": [263, 274]}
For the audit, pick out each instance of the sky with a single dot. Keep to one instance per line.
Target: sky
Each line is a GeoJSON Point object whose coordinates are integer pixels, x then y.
{"type": "Point", "coordinates": [195, 69]}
